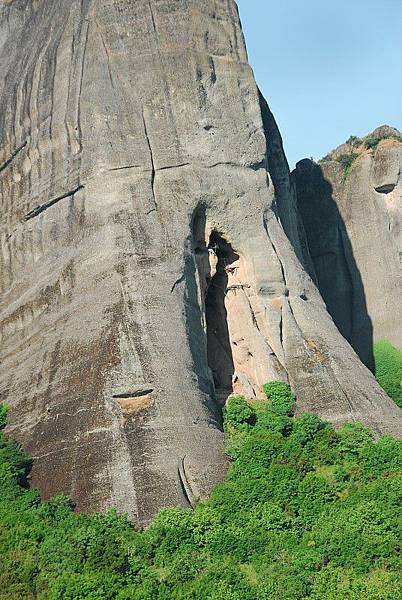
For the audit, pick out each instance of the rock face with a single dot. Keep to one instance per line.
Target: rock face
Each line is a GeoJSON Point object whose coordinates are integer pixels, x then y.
{"type": "Point", "coordinates": [145, 271]}
{"type": "Point", "coordinates": [351, 205]}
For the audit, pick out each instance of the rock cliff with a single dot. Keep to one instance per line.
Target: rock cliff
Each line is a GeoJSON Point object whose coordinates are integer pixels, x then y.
{"type": "Point", "coordinates": [351, 207]}
{"type": "Point", "coordinates": [152, 256]}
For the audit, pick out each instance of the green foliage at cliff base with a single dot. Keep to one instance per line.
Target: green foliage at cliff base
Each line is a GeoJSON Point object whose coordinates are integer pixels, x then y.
{"type": "Point", "coordinates": [306, 512]}
{"type": "Point", "coordinates": [388, 369]}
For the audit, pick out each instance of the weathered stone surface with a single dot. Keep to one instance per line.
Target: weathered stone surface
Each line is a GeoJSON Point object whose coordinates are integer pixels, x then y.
{"type": "Point", "coordinates": [141, 236]}
{"type": "Point", "coordinates": [353, 220]}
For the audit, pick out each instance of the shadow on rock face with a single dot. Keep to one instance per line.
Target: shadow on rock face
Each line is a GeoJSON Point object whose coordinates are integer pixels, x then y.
{"type": "Point", "coordinates": [337, 274]}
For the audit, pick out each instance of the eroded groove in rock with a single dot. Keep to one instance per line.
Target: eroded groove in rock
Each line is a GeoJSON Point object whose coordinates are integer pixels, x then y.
{"type": "Point", "coordinates": [151, 155]}
{"type": "Point", "coordinates": [42, 207]}
{"type": "Point", "coordinates": [186, 487]}
{"type": "Point", "coordinates": [8, 162]}
{"type": "Point", "coordinates": [134, 394]}
{"type": "Point", "coordinates": [124, 167]}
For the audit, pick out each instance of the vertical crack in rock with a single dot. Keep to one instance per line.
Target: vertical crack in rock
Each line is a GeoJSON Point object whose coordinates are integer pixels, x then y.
{"type": "Point", "coordinates": [346, 396]}
{"type": "Point", "coordinates": [254, 318]}
{"type": "Point", "coordinates": [281, 328]}
{"type": "Point", "coordinates": [151, 154]}
{"type": "Point", "coordinates": [126, 304]}
{"type": "Point", "coordinates": [84, 45]}
{"type": "Point", "coordinates": [152, 17]}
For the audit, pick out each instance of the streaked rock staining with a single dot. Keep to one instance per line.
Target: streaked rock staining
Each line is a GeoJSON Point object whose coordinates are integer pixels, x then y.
{"type": "Point", "coordinates": [153, 259]}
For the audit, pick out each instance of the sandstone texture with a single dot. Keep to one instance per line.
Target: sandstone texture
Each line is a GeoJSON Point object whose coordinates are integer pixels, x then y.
{"type": "Point", "coordinates": [353, 219]}
{"type": "Point", "coordinates": [152, 256]}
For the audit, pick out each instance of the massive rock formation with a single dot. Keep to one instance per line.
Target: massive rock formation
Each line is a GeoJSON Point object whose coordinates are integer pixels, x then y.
{"type": "Point", "coordinates": [145, 272]}
{"type": "Point", "coordinates": [351, 207]}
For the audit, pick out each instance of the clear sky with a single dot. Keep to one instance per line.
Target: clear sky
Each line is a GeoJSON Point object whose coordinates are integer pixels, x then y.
{"type": "Point", "coordinates": [328, 68]}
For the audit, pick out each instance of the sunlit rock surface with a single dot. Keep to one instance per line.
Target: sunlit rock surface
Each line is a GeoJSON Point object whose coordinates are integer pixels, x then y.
{"type": "Point", "coordinates": [145, 271]}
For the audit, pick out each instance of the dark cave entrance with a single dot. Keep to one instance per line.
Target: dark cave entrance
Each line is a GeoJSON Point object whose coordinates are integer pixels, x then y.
{"type": "Point", "coordinates": [214, 256]}
{"type": "Point", "coordinates": [220, 357]}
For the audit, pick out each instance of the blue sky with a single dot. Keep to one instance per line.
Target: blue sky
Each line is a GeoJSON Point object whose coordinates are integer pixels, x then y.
{"type": "Point", "coordinates": [328, 68]}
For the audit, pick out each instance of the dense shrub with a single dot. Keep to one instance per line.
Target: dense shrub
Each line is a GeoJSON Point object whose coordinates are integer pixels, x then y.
{"type": "Point", "coordinates": [388, 369]}
{"type": "Point", "coordinates": [346, 161]}
{"type": "Point", "coordinates": [306, 512]}
{"type": "Point", "coordinates": [281, 398]}
{"type": "Point", "coordinates": [238, 414]}
{"type": "Point", "coordinates": [372, 143]}
{"type": "Point", "coordinates": [354, 141]}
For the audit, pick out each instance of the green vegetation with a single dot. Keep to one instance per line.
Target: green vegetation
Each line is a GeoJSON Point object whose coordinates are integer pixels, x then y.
{"type": "Point", "coordinates": [346, 161]}
{"type": "Point", "coordinates": [372, 143]}
{"type": "Point", "coordinates": [388, 369]}
{"type": "Point", "coordinates": [354, 141]}
{"type": "Point", "coordinates": [306, 512]}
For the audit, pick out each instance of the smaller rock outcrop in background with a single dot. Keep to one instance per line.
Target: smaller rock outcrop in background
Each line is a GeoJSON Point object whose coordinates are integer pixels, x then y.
{"type": "Point", "coordinates": [351, 206]}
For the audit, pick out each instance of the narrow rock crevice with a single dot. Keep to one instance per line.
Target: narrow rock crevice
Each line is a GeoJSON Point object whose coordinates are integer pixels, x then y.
{"type": "Point", "coordinates": [133, 394]}
{"type": "Point", "coordinates": [177, 282]}
{"type": "Point", "coordinates": [151, 154]}
{"type": "Point", "coordinates": [281, 329]}
{"type": "Point", "coordinates": [186, 164]}
{"type": "Point", "coordinates": [42, 207]}
{"type": "Point", "coordinates": [253, 166]}
{"type": "Point", "coordinates": [124, 167]}
{"type": "Point", "coordinates": [287, 291]}
{"type": "Point", "coordinates": [152, 17]}
{"type": "Point", "coordinates": [12, 157]}
{"type": "Point", "coordinates": [84, 45]}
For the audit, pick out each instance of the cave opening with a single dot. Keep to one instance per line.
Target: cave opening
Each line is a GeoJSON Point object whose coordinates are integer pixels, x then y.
{"type": "Point", "coordinates": [236, 352]}
{"type": "Point", "coordinates": [214, 257]}
{"type": "Point", "coordinates": [219, 350]}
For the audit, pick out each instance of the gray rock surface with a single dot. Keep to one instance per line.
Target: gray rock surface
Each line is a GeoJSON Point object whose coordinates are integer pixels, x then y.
{"type": "Point", "coordinates": [145, 272]}
{"type": "Point", "coordinates": [353, 220]}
